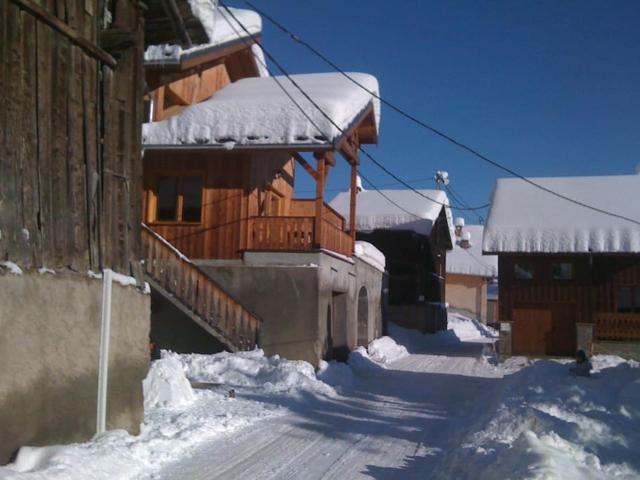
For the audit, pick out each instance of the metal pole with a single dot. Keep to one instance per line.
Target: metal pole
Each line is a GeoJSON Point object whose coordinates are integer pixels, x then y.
{"type": "Point", "coordinates": [103, 367]}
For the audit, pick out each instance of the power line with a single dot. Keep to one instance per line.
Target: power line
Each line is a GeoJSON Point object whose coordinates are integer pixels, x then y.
{"type": "Point", "coordinates": [324, 114]}
{"type": "Point", "coordinates": [430, 128]}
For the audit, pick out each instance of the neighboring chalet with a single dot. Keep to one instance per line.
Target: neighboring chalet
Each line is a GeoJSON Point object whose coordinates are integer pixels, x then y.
{"type": "Point", "coordinates": [219, 206]}
{"type": "Point", "coordinates": [569, 276]}
{"type": "Point", "coordinates": [70, 177]}
{"type": "Point", "coordinates": [414, 234]}
{"type": "Point", "coordinates": [470, 273]}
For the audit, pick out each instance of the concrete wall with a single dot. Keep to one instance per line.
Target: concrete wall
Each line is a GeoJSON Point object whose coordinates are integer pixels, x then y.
{"type": "Point", "coordinates": [469, 293]}
{"type": "Point", "coordinates": [370, 278]}
{"type": "Point", "coordinates": [49, 351]}
{"type": "Point", "coordinates": [294, 293]}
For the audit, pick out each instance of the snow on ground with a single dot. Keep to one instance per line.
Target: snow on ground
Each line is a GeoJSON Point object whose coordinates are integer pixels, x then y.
{"type": "Point", "coordinates": [408, 406]}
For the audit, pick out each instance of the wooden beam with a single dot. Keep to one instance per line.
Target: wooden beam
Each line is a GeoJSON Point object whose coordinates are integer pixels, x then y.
{"type": "Point", "coordinates": [330, 158]}
{"type": "Point", "coordinates": [349, 147]}
{"type": "Point", "coordinates": [171, 9]}
{"type": "Point", "coordinates": [61, 27]}
{"type": "Point", "coordinates": [300, 159]}
{"type": "Point", "coordinates": [320, 157]}
{"type": "Point", "coordinates": [352, 202]}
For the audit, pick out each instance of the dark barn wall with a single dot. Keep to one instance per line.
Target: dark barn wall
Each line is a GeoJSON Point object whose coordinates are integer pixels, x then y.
{"type": "Point", "coordinates": [69, 136]}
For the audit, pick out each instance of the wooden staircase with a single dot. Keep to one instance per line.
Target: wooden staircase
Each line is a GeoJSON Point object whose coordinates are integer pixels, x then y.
{"type": "Point", "coordinates": [193, 292]}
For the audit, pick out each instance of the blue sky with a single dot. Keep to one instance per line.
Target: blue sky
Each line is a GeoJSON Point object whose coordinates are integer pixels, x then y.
{"type": "Point", "coordinates": [549, 88]}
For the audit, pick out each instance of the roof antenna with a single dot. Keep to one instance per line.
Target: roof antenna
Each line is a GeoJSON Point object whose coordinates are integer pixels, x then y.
{"type": "Point", "coordinates": [441, 178]}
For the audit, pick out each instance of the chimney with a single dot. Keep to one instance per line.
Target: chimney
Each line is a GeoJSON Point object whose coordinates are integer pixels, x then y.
{"type": "Point", "coordinates": [459, 224]}
{"type": "Point", "coordinates": [465, 241]}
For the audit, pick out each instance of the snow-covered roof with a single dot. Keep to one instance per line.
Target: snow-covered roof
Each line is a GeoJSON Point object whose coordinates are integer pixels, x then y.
{"type": "Point", "coordinates": [524, 218]}
{"type": "Point", "coordinates": [395, 209]}
{"type": "Point", "coordinates": [470, 261]}
{"type": "Point", "coordinates": [221, 29]}
{"type": "Point", "coordinates": [255, 111]}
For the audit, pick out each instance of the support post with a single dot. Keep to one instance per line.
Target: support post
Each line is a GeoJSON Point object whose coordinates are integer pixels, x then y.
{"type": "Point", "coordinates": [352, 203]}
{"type": "Point", "coordinates": [320, 179]}
{"type": "Point", "coordinates": [103, 366]}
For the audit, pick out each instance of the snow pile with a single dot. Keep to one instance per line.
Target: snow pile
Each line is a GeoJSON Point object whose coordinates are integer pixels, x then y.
{"type": "Point", "coordinates": [524, 218]}
{"type": "Point", "coordinates": [548, 424]}
{"type": "Point", "coordinates": [221, 28]}
{"type": "Point", "coordinates": [252, 369]}
{"type": "Point", "coordinates": [336, 374]}
{"type": "Point", "coordinates": [255, 111]}
{"type": "Point", "coordinates": [471, 261]}
{"type": "Point", "coordinates": [361, 362]}
{"type": "Point", "coordinates": [13, 268]}
{"type": "Point", "coordinates": [166, 385]}
{"type": "Point", "coordinates": [370, 254]}
{"type": "Point", "coordinates": [466, 328]}
{"type": "Point", "coordinates": [396, 209]}
{"type": "Point", "coordinates": [386, 350]}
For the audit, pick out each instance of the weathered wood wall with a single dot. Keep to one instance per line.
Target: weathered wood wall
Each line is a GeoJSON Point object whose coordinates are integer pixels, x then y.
{"type": "Point", "coordinates": [70, 170]}
{"type": "Point", "coordinates": [232, 181]}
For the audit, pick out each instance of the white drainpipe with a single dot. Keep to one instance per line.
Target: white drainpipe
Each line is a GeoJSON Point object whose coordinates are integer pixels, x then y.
{"type": "Point", "coordinates": [103, 367]}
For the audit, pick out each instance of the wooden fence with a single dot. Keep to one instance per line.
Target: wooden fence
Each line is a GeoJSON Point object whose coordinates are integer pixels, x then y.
{"type": "Point", "coordinates": [236, 327]}
{"type": "Point", "coordinates": [617, 326]}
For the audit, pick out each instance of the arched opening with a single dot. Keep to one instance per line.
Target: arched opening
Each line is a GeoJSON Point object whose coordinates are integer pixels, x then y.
{"type": "Point", "coordinates": [328, 338]}
{"type": "Point", "coordinates": [363, 317]}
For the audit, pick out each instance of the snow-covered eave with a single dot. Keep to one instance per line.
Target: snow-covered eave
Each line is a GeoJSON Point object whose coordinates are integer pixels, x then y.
{"type": "Point", "coordinates": [334, 144]}
{"type": "Point", "coordinates": [202, 54]}
{"type": "Point", "coordinates": [617, 253]}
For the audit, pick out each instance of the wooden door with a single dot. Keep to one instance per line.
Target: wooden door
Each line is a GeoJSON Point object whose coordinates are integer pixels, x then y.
{"type": "Point", "coordinates": [562, 338]}
{"type": "Point", "coordinates": [531, 329]}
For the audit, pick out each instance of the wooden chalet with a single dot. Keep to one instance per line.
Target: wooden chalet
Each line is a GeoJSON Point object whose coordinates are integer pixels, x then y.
{"type": "Point", "coordinates": [414, 234]}
{"type": "Point", "coordinates": [569, 277]}
{"type": "Point", "coordinates": [469, 273]}
{"type": "Point", "coordinates": [220, 158]}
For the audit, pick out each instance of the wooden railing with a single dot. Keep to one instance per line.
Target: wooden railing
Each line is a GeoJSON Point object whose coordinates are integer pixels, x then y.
{"type": "Point", "coordinates": [281, 233]}
{"type": "Point", "coordinates": [307, 208]}
{"type": "Point", "coordinates": [296, 234]}
{"type": "Point", "coordinates": [336, 239]}
{"type": "Point", "coordinates": [617, 326]}
{"type": "Point", "coordinates": [169, 270]}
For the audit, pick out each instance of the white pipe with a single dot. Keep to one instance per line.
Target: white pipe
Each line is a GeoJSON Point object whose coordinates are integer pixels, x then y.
{"type": "Point", "coordinates": [103, 368]}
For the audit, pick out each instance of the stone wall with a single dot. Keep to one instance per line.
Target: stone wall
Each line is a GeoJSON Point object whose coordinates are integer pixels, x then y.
{"type": "Point", "coordinates": [49, 350]}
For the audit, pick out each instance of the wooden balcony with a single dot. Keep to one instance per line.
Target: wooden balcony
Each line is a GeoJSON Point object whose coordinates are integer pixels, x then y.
{"type": "Point", "coordinates": [623, 327]}
{"type": "Point", "coordinates": [197, 295]}
{"type": "Point", "coordinates": [298, 233]}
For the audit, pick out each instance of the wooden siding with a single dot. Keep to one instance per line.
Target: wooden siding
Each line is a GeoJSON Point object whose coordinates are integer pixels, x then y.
{"type": "Point", "coordinates": [590, 297]}
{"type": "Point", "coordinates": [232, 182]}
{"type": "Point", "coordinates": [70, 168]}
{"type": "Point", "coordinates": [617, 326]}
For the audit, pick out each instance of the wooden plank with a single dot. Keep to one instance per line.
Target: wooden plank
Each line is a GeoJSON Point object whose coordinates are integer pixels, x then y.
{"type": "Point", "coordinates": [352, 202]}
{"type": "Point", "coordinates": [61, 27]}
{"type": "Point", "coordinates": [29, 147]}
{"type": "Point", "coordinates": [319, 199]}
{"type": "Point", "coordinates": [10, 197]}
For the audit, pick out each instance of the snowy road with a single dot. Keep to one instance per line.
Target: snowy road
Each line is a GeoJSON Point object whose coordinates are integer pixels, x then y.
{"type": "Point", "coordinates": [395, 423]}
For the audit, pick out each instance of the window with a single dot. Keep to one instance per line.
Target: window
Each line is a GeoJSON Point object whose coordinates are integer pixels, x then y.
{"type": "Point", "coordinates": [629, 300]}
{"type": "Point", "coordinates": [562, 271]}
{"type": "Point", "coordinates": [523, 271]}
{"type": "Point", "coordinates": [179, 199]}
{"type": "Point", "coordinates": [272, 203]}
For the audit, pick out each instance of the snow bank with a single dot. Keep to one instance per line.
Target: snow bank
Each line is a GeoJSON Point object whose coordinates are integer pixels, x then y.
{"type": "Point", "coordinates": [370, 254]}
{"type": "Point", "coordinates": [166, 385]}
{"type": "Point", "coordinates": [255, 111]}
{"type": "Point", "coordinates": [386, 350]}
{"type": "Point", "coordinates": [252, 370]}
{"type": "Point", "coordinates": [548, 424]}
{"type": "Point", "coordinates": [395, 209]}
{"type": "Point", "coordinates": [525, 219]}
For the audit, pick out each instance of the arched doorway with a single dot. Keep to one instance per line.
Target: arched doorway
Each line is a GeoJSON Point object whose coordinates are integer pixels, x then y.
{"type": "Point", "coordinates": [328, 339]}
{"type": "Point", "coordinates": [363, 317]}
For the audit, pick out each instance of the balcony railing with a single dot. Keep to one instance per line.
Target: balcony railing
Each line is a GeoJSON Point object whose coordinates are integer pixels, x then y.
{"type": "Point", "coordinates": [297, 234]}
{"type": "Point", "coordinates": [617, 326]}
